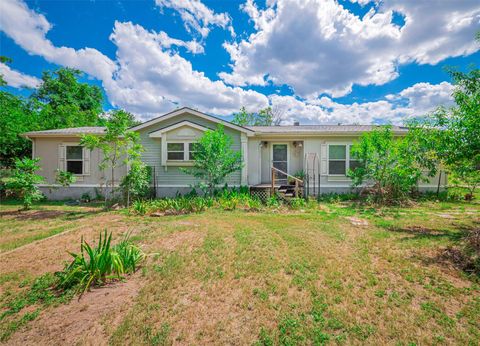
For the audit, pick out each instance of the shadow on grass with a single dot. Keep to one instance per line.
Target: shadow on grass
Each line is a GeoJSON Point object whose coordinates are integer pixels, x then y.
{"type": "Point", "coordinates": [463, 252]}
{"type": "Point", "coordinates": [36, 215]}
{"type": "Point", "coordinates": [421, 233]}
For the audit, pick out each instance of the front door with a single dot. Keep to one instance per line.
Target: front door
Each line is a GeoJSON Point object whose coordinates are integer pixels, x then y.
{"type": "Point", "coordinates": [280, 161]}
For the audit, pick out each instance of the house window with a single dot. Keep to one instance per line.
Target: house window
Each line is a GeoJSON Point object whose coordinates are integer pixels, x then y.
{"type": "Point", "coordinates": [176, 151]}
{"type": "Point", "coordinates": [353, 162]}
{"type": "Point", "coordinates": [340, 160]}
{"type": "Point", "coordinates": [74, 159]}
{"type": "Point", "coordinates": [337, 159]}
{"type": "Point", "coordinates": [191, 151]}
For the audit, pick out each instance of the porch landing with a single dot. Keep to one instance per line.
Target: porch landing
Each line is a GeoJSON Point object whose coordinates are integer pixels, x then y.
{"type": "Point", "coordinates": [265, 185]}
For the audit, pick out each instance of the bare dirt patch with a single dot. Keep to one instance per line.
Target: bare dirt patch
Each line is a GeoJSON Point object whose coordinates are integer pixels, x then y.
{"type": "Point", "coordinates": [355, 221]}
{"type": "Point", "coordinates": [48, 255]}
{"type": "Point", "coordinates": [34, 215]}
{"type": "Point", "coordinates": [188, 238]}
{"type": "Point", "coordinates": [88, 321]}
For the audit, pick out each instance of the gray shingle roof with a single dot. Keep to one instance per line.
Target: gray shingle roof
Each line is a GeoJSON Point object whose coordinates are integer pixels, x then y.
{"type": "Point", "coordinates": [320, 129]}
{"type": "Point", "coordinates": [287, 129]}
{"type": "Point", "coordinates": [69, 131]}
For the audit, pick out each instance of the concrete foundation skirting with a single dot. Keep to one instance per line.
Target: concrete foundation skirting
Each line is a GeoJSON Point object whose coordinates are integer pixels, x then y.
{"type": "Point", "coordinates": [73, 192]}
{"type": "Point", "coordinates": [76, 192]}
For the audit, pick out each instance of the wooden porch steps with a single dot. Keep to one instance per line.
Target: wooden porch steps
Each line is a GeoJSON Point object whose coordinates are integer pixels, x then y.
{"type": "Point", "coordinates": [288, 191]}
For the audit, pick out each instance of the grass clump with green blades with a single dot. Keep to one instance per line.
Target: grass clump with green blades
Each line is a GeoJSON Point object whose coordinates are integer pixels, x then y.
{"type": "Point", "coordinates": [97, 265]}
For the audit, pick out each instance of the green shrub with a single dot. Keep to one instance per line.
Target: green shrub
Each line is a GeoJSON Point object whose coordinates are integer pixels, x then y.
{"type": "Point", "coordinates": [273, 202]}
{"type": "Point", "coordinates": [226, 199]}
{"type": "Point", "coordinates": [391, 166]}
{"type": "Point", "coordinates": [136, 184]}
{"type": "Point", "coordinates": [85, 197]}
{"type": "Point", "coordinates": [297, 203]}
{"type": "Point", "coordinates": [228, 203]}
{"type": "Point", "coordinates": [337, 197]}
{"type": "Point", "coordinates": [96, 265]}
{"type": "Point", "coordinates": [179, 205]}
{"type": "Point", "coordinates": [64, 178]}
{"type": "Point", "coordinates": [140, 207]}
{"type": "Point", "coordinates": [23, 181]}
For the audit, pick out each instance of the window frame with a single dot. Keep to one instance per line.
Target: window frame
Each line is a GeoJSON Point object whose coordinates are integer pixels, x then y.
{"type": "Point", "coordinates": [190, 151]}
{"type": "Point", "coordinates": [82, 160]}
{"type": "Point", "coordinates": [347, 159]}
{"type": "Point", "coordinates": [186, 151]}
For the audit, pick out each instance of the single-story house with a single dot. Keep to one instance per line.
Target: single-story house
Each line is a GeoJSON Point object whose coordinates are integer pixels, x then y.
{"type": "Point", "coordinates": [322, 152]}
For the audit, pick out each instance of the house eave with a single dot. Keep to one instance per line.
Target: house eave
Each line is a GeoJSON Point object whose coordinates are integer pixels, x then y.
{"type": "Point", "coordinates": [182, 110]}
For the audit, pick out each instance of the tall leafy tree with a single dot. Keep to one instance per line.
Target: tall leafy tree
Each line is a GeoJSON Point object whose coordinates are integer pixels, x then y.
{"type": "Point", "coordinates": [60, 101]}
{"type": "Point", "coordinates": [4, 60]}
{"type": "Point", "coordinates": [118, 145]}
{"type": "Point", "coordinates": [63, 101]}
{"type": "Point", "coordinates": [391, 167]}
{"type": "Point", "coordinates": [16, 117]}
{"type": "Point", "coordinates": [460, 124]}
{"type": "Point", "coordinates": [214, 159]}
{"type": "Point", "coordinates": [264, 117]}
{"type": "Point", "coordinates": [454, 132]}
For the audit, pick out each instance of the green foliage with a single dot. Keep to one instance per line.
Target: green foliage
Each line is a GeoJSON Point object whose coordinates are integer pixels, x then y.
{"type": "Point", "coordinates": [137, 180]}
{"type": "Point", "coordinates": [85, 197]}
{"type": "Point", "coordinates": [65, 102]}
{"type": "Point", "coordinates": [214, 159]}
{"type": "Point", "coordinates": [225, 199]}
{"type": "Point", "coordinates": [65, 178]}
{"type": "Point", "coordinates": [60, 101]}
{"type": "Point", "coordinates": [4, 60]}
{"type": "Point", "coordinates": [391, 165]}
{"type": "Point", "coordinates": [180, 205]}
{"type": "Point", "coordinates": [16, 117]}
{"type": "Point", "coordinates": [336, 197]}
{"type": "Point", "coordinates": [118, 145]}
{"type": "Point", "coordinates": [298, 174]}
{"type": "Point", "coordinates": [454, 132]}
{"type": "Point", "coordinates": [465, 173]}
{"type": "Point", "coordinates": [23, 181]}
{"type": "Point", "coordinates": [297, 203]}
{"type": "Point", "coordinates": [96, 265]}
{"type": "Point", "coordinates": [264, 117]}
{"type": "Point", "coordinates": [231, 199]}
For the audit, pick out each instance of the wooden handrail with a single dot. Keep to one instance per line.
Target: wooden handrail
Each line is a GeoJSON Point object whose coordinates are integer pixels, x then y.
{"type": "Point", "coordinates": [297, 181]}
{"type": "Point", "coordinates": [288, 175]}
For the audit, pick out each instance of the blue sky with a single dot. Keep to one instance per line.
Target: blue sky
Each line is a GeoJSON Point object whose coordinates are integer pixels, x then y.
{"type": "Point", "coordinates": [315, 61]}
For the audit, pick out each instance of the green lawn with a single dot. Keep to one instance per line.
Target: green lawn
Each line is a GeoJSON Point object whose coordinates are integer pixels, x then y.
{"type": "Point", "coordinates": [331, 274]}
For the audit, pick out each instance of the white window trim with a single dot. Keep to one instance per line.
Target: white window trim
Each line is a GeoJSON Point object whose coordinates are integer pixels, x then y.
{"type": "Point", "coordinates": [347, 159]}
{"type": "Point", "coordinates": [71, 144]}
{"type": "Point", "coordinates": [186, 152]}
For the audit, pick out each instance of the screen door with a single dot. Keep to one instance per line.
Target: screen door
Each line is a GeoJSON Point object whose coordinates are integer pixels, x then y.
{"type": "Point", "coordinates": [280, 161]}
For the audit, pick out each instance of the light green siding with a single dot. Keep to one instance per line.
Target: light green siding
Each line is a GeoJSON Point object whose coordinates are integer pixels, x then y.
{"type": "Point", "coordinates": [173, 176]}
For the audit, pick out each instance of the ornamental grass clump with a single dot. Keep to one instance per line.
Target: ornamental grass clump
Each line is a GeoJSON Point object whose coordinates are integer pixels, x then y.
{"type": "Point", "coordinates": [97, 265]}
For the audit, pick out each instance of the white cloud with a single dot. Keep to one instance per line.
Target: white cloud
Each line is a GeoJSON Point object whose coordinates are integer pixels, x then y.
{"type": "Point", "coordinates": [317, 46]}
{"type": "Point", "coordinates": [148, 76]}
{"type": "Point", "coordinates": [167, 42]}
{"type": "Point", "coordinates": [196, 16]}
{"type": "Point", "coordinates": [17, 79]}
{"type": "Point", "coordinates": [29, 29]}
{"type": "Point", "coordinates": [422, 97]}
{"type": "Point", "coordinates": [414, 101]}
{"type": "Point", "coordinates": [152, 79]}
